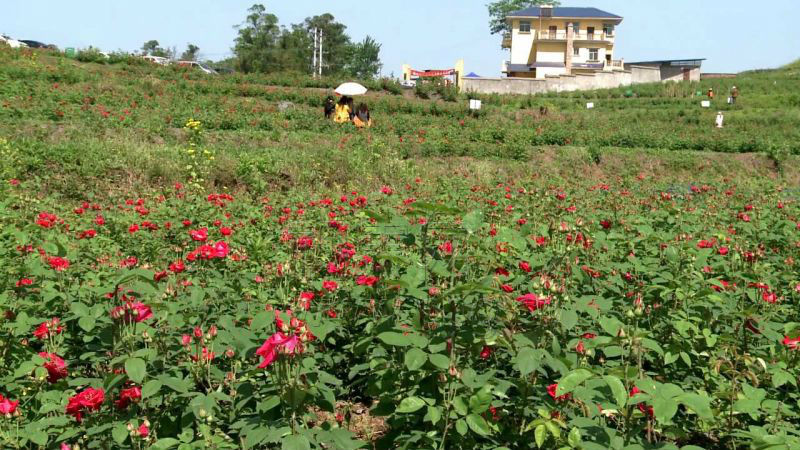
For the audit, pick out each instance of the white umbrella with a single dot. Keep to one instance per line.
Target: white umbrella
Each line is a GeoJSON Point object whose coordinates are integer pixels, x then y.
{"type": "Point", "coordinates": [351, 89]}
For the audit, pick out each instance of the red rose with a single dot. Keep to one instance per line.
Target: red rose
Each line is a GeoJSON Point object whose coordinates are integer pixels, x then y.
{"type": "Point", "coordinates": [128, 396]}
{"type": "Point", "coordinates": [55, 366]}
{"type": "Point", "coordinates": [87, 400]}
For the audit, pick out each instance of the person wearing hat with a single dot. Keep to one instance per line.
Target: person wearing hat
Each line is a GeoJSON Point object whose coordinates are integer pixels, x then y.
{"type": "Point", "coordinates": [734, 95]}
{"type": "Point", "coordinates": [711, 93]}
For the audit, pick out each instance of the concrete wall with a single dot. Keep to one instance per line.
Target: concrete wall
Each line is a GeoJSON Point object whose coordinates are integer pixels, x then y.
{"type": "Point", "coordinates": [562, 83]}
{"type": "Point", "coordinates": [644, 74]}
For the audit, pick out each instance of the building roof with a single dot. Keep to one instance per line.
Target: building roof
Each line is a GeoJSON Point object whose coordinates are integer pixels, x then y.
{"type": "Point", "coordinates": [587, 12]}
{"type": "Point", "coordinates": [670, 62]}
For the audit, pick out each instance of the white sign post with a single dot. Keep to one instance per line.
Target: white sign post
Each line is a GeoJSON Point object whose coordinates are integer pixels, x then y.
{"type": "Point", "coordinates": [590, 105]}
{"type": "Point", "coordinates": [720, 119]}
{"type": "Point", "coordinates": [474, 104]}
{"type": "Point", "coordinates": [705, 104]}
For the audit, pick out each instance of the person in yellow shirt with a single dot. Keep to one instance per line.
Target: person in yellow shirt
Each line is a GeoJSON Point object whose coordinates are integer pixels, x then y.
{"type": "Point", "coordinates": [344, 110]}
{"type": "Point", "coordinates": [362, 118]}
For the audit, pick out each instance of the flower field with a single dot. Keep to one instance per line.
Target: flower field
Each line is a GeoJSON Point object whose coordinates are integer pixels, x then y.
{"type": "Point", "coordinates": [152, 300]}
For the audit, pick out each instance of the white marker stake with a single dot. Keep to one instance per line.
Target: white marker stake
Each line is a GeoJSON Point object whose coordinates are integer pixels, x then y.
{"type": "Point", "coordinates": [720, 119]}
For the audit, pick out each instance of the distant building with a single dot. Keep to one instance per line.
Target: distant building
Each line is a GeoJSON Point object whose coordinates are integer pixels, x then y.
{"type": "Point", "coordinates": [550, 41]}
{"type": "Point", "coordinates": [674, 69]}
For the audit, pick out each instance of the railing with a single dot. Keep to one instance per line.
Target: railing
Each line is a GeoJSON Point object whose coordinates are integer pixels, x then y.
{"type": "Point", "coordinates": [596, 36]}
{"type": "Point", "coordinates": [561, 35]}
{"type": "Point", "coordinates": [552, 35]}
{"type": "Point", "coordinates": [617, 63]}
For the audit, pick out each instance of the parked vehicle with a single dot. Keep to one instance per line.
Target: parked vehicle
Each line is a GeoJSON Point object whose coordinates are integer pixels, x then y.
{"type": "Point", "coordinates": [408, 84]}
{"type": "Point", "coordinates": [205, 68]}
{"type": "Point", "coordinates": [34, 44]}
{"type": "Point", "coordinates": [13, 43]}
{"type": "Point", "coordinates": [156, 59]}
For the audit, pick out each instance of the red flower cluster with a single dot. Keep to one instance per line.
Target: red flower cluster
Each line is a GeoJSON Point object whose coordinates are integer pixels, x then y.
{"type": "Point", "coordinates": [215, 250]}
{"type": "Point", "coordinates": [7, 407]}
{"type": "Point", "coordinates": [47, 329]}
{"type": "Point", "coordinates": [90, 399]}
{"type": "Point", "coordinates": [132, 311]}
{"type": "Point", "coordinates": [58, 263]}
{"type": "Point", "coordinates": [287, 341]}
{"type": "Point", "coordinates": [128, 396]}
{"type": "Point", "coordinates": [55, 366]}
{"type": "Point", "coordinates": [551, 389]}
{"type": "Point", "coordinates": [645, 409]}
{"type": "Point", "coordinates": [533, 302]}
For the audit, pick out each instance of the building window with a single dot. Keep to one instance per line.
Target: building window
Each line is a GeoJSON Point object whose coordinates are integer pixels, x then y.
{"type": "Point", "coordinates": [576, 28]}
{"type": "Point", "coordinates": [524, 26]}
{"type": "Point", "coordinates": [576, 51]}
{"type": "Point", "coordinates": [594, 54]}
{"type": "Point", "coordinates": [608, 30]}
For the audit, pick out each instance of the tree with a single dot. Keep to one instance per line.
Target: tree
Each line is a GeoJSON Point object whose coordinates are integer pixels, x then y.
{"type": "Point", "coordinates": [154, 48]}
{"type": "Point", "coordinates": [255, 47]}
{"type": "Point", "coordinates": [191, 53]}
{"type": "Point", "coordinates": [364, 61]}
{"type": "Point", "coordinates": [500, 9]}
{"type": "Point", "coordinates": [151, 47]}
{"type": "Point", "coordinates": [336, 45]}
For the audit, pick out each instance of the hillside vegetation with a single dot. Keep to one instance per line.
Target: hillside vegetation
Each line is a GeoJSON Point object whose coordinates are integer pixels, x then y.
{"type": "Point", "coordinates": [86, 123]}
{"type": "Point", "coordinates": [194, 263]}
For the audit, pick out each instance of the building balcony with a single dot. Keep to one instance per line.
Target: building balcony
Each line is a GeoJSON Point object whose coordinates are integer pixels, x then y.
{"type": "Point", "coordinates": [561, 35]}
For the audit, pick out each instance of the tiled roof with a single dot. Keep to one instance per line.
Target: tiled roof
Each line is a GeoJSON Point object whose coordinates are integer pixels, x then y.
{"type": "Point", "coordinates": [534, 11]}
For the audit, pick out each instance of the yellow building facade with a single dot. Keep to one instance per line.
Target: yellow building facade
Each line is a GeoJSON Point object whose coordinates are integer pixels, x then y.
{"type": "Point", "coordinates": [550, 41]}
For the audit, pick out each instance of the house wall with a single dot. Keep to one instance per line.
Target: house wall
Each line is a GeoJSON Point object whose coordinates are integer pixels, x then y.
{"type": "Point", "coordinates": [562, 83]}
{"type": "Point", "coordinates": [675, 73]}
{"type": "Point", "coordinates": [521, 44]}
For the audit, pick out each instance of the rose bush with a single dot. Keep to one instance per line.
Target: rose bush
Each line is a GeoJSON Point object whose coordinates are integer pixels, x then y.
{"type": "Point", "coordinates": [462, 315]}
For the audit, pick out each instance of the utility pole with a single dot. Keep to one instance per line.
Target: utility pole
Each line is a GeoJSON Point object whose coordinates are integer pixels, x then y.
{"type": "Point", "coordinates": [320, 53]}
{"type": "Point", "coordinates": [314, 58]}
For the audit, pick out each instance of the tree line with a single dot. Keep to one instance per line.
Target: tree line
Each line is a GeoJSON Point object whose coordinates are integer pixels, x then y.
{"type": "Point", "coordinates": [264, 46]}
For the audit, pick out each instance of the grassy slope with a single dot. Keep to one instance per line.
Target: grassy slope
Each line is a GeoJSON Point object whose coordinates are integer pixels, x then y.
{"type": "Point", "coordinates": [80, 128]}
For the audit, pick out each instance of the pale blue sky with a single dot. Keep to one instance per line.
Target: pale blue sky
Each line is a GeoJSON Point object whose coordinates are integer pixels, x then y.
{"type": "Point", "coordinates": [734, 35]}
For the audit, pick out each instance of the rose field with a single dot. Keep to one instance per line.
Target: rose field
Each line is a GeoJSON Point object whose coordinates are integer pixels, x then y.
{"type": "Point", "coordinates": [206, 263]}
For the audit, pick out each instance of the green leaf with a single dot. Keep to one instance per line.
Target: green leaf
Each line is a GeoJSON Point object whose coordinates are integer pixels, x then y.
{"type": "Point", "coordinates": [617, 390]}
{"type": "Point", "coordinates": [119, 433]}
{"type": "Point", "coordinates": [481, 401]}
{"type": "Point", "coordinates": [136, 369]}
{"type": "Point", "coordinates": [150, 388]}
{"type": "Point", "coordinates": [87, 323]}
{"type": "Point", "coordinates": [461, 427]}
{"type": "Point", "coordinates": [440, 361]}
{"type": "Point", "coordinates": [540, 434]}
{"type": "Point", "coordinates": [165, 444]}
{"type": "Point", "coordinates": [395, 339]}
{"type": "Point", "coordinates": [569, 318]}
{"type": "Point", "coordinates": [478, 424]}
{"type": "Point", "coordinates": [295, 442]}
{"type": "Point", "coordinates": [415, 358]}
{"type": "Point", "coordinates": [664, 408]}
{"type": "Point", "coordinates": [434, 415]}
{"type": "Point", "coordinates": [700, 404]}
{"type": "Point", "coordinates": [527, 360]}
{"type": "Point", "coordinates": [255, 436]}
{"type": "Point", "coordinates": [472, 222]}
{"type": "Point", "coordinates": [569, 382]}
{"type": "Point", "coordinates": [410, 405]}
{"type": "Point", "coordinates": [574, 438]}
